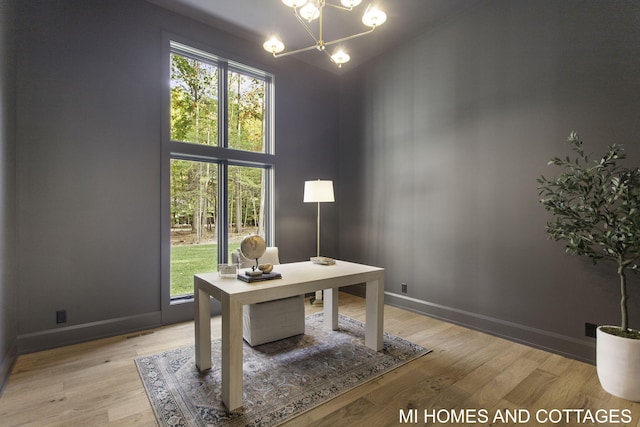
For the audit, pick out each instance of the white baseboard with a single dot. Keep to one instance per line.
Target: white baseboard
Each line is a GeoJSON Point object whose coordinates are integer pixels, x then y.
{"type": "Point", "coordinates": [43, 340]}
{"type": "Point", "coordinates": [580, 349]}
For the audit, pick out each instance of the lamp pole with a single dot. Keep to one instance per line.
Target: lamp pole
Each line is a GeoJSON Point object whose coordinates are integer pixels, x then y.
{"type": "Point", "coordinates": [318, 228]}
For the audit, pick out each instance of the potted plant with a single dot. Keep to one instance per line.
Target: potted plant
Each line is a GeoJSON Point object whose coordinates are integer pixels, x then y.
{"type": "Point", "coordinates": [596, 209]}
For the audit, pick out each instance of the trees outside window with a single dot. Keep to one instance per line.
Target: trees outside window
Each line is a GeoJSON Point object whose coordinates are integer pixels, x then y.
{"type": "Point", "coordinates": [220, 161]}
{"type": "Point", "coordinates": [246, 112]}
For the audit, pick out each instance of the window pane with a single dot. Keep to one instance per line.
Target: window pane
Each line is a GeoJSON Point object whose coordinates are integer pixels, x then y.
{"type": "Point", "coordinates": [194, 217]}
{"type": "Point", "coordinates": [194, 101]}
{"type": "Point", "coordinates": [246, 204]}
{"type": "Point", "coordinates": [246, 127]}
{"type": "Point", "coordinates": [220, 106]}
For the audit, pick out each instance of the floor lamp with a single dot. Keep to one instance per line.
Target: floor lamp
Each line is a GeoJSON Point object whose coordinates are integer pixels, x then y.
{"type": "Point", "coordinates": [319, 191]}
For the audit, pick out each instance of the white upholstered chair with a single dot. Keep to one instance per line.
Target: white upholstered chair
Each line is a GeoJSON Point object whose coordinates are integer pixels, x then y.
{"type": "Point", "coordinates": [272, 320]}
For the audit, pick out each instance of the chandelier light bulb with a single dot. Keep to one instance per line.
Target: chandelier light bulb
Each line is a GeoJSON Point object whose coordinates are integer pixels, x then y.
{"type": "Point", "coordinates": [350, 3]}
{"type": "Point", "coordinates": [273, 45]}
{"type": "Point", "coordinates": [294, 3]}
{"type": "Point", "coordinates": [374, 17]}
{"type": "Point", "coordinates": [340, 57]}
{"type": "Point", "coordinates": [310, 11]}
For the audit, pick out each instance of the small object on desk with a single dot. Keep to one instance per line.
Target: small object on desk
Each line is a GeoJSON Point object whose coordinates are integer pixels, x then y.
{"type": "Point", "coordinates": [249, 278]}
{"type": "Point", "coordinates": [253, 247]}
{"type": "Point", "coordinates": [266, 268]}
{"type": "Point", "coordinates": [253, 272]}
{"type": "Point", "coordinates": [226, 271]}
{"type": "Point", "coordinates": [322, 260]}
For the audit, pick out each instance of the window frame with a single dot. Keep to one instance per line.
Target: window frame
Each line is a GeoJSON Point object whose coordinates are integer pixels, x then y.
{"type": "Point", "coordinates": [179, 309]}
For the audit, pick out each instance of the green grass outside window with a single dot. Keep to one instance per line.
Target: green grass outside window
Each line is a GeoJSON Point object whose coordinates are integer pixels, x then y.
{"type": "Point", "coordinates": [188, 260]}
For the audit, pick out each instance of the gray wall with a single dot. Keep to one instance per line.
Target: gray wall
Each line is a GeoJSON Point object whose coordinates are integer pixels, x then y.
{"type": "Point", "coordinates": [89, 161]}
{"type": "Point", "coordinates": [438, 145]}
{"type": "Point", "coordinates": [8, 276]}
{"type": "Point", "coordinates": [442, 141]}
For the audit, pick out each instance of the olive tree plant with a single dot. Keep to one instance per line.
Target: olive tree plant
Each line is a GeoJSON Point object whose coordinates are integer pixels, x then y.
{"type": "Point", "coordinates": [596, 210]}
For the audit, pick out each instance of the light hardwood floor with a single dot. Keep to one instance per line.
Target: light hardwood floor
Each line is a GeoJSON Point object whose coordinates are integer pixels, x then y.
{"type": "Point", "coordinates": [96, 383]}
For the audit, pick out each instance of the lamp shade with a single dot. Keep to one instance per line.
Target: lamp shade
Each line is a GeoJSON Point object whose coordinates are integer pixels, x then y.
{"type": "Point", "coordinates": [318, 191]}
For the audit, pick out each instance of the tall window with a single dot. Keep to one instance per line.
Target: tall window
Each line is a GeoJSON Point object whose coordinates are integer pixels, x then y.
{"type": "Point", "coordinates": [220, 156]}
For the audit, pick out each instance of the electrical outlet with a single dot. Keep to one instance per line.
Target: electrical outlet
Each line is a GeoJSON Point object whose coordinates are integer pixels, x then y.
{"type": "Point", "coordinates": [61, 316]}
{"type": "Point", "coordinates": [590, 329]}
{"type": "Point", "coordinates": [404, 288]}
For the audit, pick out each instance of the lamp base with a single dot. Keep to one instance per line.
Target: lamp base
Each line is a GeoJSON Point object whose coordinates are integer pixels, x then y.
{"type": "Point", "coordinates": [322, 260]}
{"type": "Point", "coordinates": [318, 300]}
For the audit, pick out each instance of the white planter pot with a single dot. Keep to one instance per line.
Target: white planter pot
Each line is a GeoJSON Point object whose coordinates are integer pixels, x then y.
{"type": "Point", "coordinates": [618, 365]}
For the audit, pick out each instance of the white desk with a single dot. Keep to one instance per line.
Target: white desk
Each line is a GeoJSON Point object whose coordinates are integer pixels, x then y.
{"type": "Point", "coordinates": [297, 278]}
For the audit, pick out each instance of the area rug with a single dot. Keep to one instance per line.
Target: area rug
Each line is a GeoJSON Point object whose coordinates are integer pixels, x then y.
{"type": "Point", "coordinates": [281, 380]}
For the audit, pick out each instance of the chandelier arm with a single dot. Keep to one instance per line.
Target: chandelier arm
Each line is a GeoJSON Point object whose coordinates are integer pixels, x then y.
{"type": "Point", "coordinates": [304, 49]}
{"type": "Point", "coordinates": [338, 6]}
{"type": "Point", "coordinates": [306, 27]}
{"type": "Point", "coordinates": [320, 26]}
{"type": "Point", "coordinates": [350, 37]}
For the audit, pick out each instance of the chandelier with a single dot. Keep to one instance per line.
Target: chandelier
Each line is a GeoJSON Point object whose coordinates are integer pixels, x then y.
{"type": "Point", "coordinates": [307, 11]}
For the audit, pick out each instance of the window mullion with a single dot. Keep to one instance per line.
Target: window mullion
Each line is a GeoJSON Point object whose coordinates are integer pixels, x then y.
{"type": "Point", "coordinates": [268, 214]}
{"type": "Point", "coordinates": [223, 213]}
{"type": "Point", "coordinates": [223, 170]}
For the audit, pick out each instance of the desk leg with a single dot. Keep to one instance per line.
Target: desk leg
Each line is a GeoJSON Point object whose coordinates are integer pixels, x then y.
{"type": "Point", "coordinates": [375, 315]}
{"type": "Point", "coordinates": [203, 329]}
{"type": "Point", "coordinates": [231, 353]}
{"type": "Point", "coordinates": [330, 309]}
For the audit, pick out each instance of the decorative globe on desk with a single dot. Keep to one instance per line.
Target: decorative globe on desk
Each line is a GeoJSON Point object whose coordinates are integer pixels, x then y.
{"type": "Point", "coordinates": [253, 247]}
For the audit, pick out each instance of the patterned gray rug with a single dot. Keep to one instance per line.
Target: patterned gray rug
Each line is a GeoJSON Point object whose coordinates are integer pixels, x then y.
{"type": "Point", "coordinates": [281, 379]}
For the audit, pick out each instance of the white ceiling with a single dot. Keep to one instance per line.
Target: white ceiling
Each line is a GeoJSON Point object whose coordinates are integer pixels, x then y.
{"type": "Point", "coordinates": [256, 19]}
